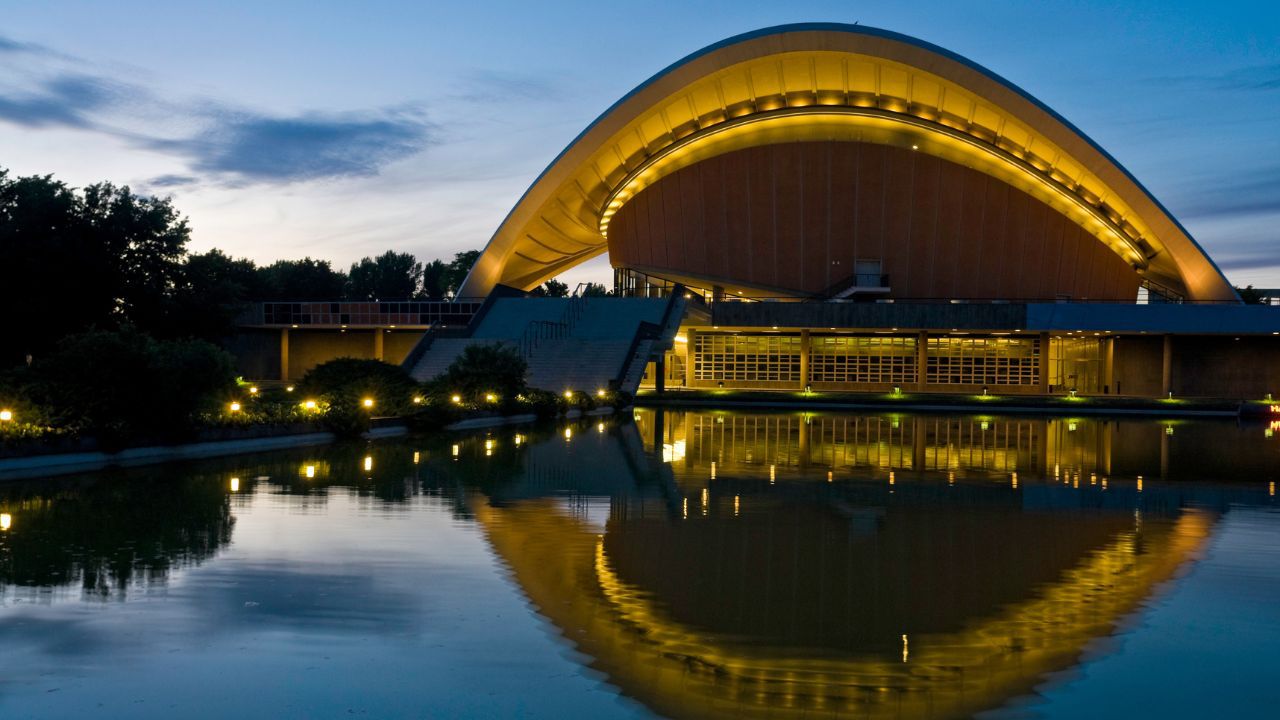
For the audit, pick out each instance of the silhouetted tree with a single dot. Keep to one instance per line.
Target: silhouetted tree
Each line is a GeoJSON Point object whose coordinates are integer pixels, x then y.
{"type": "Point", "coordinates": [390, 276]}
{"type": "Point", "coordinates": [1251, 295]}
{"type": "Point", "coordinates": [304, 279]}
{"type": "Point", "coordinates": [73, 260]}
{"type": "Point", "coordinates": [550, 288]}
{"type": "Point", "coordinates": [435, 283]}
{"type": "Point", "coordinates": [458, 269]}
{"type": "Point", "coordinates": [592, 289]}
{"type": "Point", "coordinates": [212, 291]}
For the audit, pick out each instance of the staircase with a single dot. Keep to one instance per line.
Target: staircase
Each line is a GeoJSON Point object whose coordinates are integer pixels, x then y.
{"type": "Point", "coordinates": [577, 343]}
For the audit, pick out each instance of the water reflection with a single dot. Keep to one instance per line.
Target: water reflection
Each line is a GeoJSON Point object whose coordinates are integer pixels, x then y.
{"type": "Point", "coordinates": [708, 564]}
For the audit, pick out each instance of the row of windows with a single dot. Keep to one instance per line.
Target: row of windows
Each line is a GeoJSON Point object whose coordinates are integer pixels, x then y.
{"type": "Point", "coordinates": [983, 361]}
{"type": "Point", "coordinates": [760, 358]}
{"type": "Point", "coordinates": [856, 359]}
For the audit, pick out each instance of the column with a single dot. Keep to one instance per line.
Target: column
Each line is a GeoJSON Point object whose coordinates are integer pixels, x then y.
{"type": "Point", "coordinates": [660, 372]}
{"type": "Point", "coordinates": [691, 336]}
{"type": "Point", "coordinates": [377, 343]}
{"type": "Point", "coordinates": [1166, 367]}
{"type": "Point", "coordinates": [1108, 365]}
{"type": "Point", "coordinates": [922, 360]}
{"type": "Point", "coordinates": [284, 354]}
{"type": "Point", "coordinates": [804, 358]}
{"type": "Point", "coordinates": [1044, 363]}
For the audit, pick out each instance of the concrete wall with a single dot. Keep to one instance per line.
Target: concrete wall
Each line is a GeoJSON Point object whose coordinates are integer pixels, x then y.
{"type": "Point", "coordinates": [1218, 366]}
{"type": "Point", "coordinates": [257, 351]}
{"type": "Point", "coordinates": [1138, 365]}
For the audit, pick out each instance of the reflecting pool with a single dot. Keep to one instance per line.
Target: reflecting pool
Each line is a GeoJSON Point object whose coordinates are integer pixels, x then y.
{"type": "Point", "coordinates": [679, 564]}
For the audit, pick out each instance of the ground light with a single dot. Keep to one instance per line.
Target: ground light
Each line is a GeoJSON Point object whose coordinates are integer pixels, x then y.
{"type": "Point", "coordinates": [6, 416]}
{"type": "Point", "coordinates": [234, 407]}
{"type": "Point", "coordinates": [568, 394]}
{"type": "Point", "coordinates": [309, 405]}
{"type": "Point", "coordinates": [367, 402]}
{"type": "Point", "coordinates": [253, 390]}
{"type": "Point", "coordinates": [600, 393]}
{"type": "Point", "coordinates": [417, 399]}
{"type": "Point", "coordinates": [457, 399]}
{"type": "Point", "coordinates": [235, 484]}
{"type": "Point", "coordinates": [289, 389]}
{"type": "Point", "coordinates": [490, 397]}
{"type": "Point", "coordinates": [6, 521]}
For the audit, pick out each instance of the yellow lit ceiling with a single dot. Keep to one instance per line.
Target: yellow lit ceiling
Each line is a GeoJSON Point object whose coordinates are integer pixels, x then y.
{"type": "Point", "coordinates": [833, 82]}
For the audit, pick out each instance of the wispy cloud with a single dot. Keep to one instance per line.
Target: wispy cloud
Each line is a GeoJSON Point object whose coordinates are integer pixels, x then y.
{"type": "Point", "coordinates": [485, 86]}
{"type": "Point", "coordinates": [1248, 193]}
{"type": "Point", "coordinates": [250, 147]}
{"type": "Point", "coordinates": [229, 145]}
{"type": "Point", "coordinates": [1256, 77]}
{"type": "Point", "coordinates": [65, 100]}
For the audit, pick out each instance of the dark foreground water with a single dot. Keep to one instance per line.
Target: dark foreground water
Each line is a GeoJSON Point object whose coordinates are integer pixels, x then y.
{"type": "Point", "coordinates": [676, 564]}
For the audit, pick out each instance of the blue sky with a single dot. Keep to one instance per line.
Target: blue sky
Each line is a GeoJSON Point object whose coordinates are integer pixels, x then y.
{"type": "Point", "coordinates": [341, 129]}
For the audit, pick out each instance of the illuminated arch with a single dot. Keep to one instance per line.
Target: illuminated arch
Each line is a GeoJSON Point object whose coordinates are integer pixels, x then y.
{"type": "Point", "coordinates": [822, 82]}
{"type": "Point", "coordinates": [562, 567]}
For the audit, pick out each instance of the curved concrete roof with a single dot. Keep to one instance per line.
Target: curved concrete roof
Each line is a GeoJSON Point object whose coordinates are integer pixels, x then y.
{"type": "Point", "coordinates": [833, 82]}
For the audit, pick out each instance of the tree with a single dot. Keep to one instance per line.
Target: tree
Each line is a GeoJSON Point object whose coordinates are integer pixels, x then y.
{"type": "Point", "coordinates": [304, 279]}
{"type": "Point", "coordinates": [551, 288]}
{"type": "Point", "coordinates": [458, 269]}
{"type": "Point", "coordinates": [482, 370]}
{"type": "Point", "coordinates": [102, 257]}
{"type": "Point", "coordinates": [212, 291]}
{"type": "Point", "coordinates": [1251, 295]}
{"type": "Point", "coordinates": [390, 276]}
{"type": "Point", "coordinates": [592, 289]}
{"type": "Point", "coordinates": [435, 280]}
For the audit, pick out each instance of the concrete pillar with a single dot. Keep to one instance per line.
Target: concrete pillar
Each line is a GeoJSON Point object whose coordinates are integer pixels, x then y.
{"type": "Point", "coordinates": [689, 356]}
{"type": "Point", "coordinates": [804, 358]}
{"type": "Point", "coordinates": [284, 354]}
{"type": "Point", "coordinates": [1108, 365]}
{"type": "Point", "coordinates": [660, 372]}
{"type": "Point", "coordinates": [917, 443]}
{"type": "Point", "coordinates": [922, 360]}
{"type": "Point", "coordinates": [1166, 367]}
{"type": "Point", "coordinates": [377, 343]}
{"type": "Point", "coordinates": [1044, 363]}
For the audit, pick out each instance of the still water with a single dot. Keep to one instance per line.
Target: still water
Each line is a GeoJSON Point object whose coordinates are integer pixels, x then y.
{"type": "Point", "coordinates": [681, 564]}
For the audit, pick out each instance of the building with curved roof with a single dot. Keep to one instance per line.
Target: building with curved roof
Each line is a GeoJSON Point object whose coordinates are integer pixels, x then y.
{"type": "Point", "coordinates": [784, 161]}
{"type": "Point", "coordinates": [835, 207]}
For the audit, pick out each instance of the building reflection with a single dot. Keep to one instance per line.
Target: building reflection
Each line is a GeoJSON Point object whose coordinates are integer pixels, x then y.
{"type": "Point", "coordinates": [790, 566]}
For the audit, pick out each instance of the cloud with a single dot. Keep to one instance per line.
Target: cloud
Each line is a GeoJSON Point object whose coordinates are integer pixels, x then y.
{"type": "Point", "coordinates": [1249, 193]}
{"type": "Point", "coordinates": [484, 86]}
{"type": "Point", "coordinates": [1257, 77]}
{"type": "Point", "coordinates": [168, 181]}
{"type": "Point", "coordinates": [65, 100]}
{"type": "Point", "coordinates": [220, 141]}
{"type": "Point", "coordinates": [243, 146]}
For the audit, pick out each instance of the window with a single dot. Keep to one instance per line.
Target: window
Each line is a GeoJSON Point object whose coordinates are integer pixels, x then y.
{"type": "Point", "coordinates": [862, 359]}
{"type": "Point", "coordinates": [750, 358]}
{"type": "Point", "coordinates": [983, 361]}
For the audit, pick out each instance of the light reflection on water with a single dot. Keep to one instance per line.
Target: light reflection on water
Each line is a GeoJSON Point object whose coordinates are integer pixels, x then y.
{"type": "Point", "coordinates": [681, 564]}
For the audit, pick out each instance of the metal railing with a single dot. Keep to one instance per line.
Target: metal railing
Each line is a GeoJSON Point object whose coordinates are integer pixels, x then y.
{"type": "Point", "coordinates": [357, 313]}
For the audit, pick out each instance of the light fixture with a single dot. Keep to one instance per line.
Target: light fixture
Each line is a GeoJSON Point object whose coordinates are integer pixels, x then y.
{"type": "Point", "coordinates": [568, 394]}
{"type": "Point", "coordinates": [289, 389]}
{"type": "Point", "coordinates": [6, 521]}
{"type": "Point", "coordinates": [457, 399]}
{"type": "Point", "coordinates": [490, 397]}
{"type": "Point", "coordinates": [235, 484]}
{"type": "Point", "coordinates": [367, 402]}
{"type": "Point", "coordinates": [6, 416]}
{"type": "Point", "coordinates": [417, 399]}
{"type": "Point", "coordinates": [234, 407]}
{"type": "Point", "coordinates": [309, 405]}
{"type": "Point", "coordinates": [368, 463]}
{"type": "Point", "coordinates": [600, 393]}
{"type": "Point", "coordinates": [253, 390]}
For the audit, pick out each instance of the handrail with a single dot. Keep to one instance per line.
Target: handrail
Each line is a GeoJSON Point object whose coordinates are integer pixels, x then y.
{"type": "Point", "coordinates": [650, 331]}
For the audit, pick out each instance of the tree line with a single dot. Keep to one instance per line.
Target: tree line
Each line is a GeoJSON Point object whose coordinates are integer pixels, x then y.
{"type": "Point", "coordinates": [102, 257]}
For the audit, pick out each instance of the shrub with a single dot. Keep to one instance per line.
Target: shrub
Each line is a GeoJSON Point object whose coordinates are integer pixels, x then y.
{"type": "Point", "coordinates": [480, 370]}
{"type": "Point", "coordinates": [124, 386]}
{"type": "Point", "coordinates": [344, 383]}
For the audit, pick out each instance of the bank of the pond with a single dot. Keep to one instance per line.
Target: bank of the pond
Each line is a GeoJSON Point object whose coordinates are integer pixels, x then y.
{"type": "Point", "coordinates": [922, 402]}
{"type": "Point", "coordinates": [61, 461]}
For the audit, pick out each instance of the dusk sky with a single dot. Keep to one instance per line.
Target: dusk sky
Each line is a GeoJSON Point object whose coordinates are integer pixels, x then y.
{"type": "Point", "coordinates": [339, 130]}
